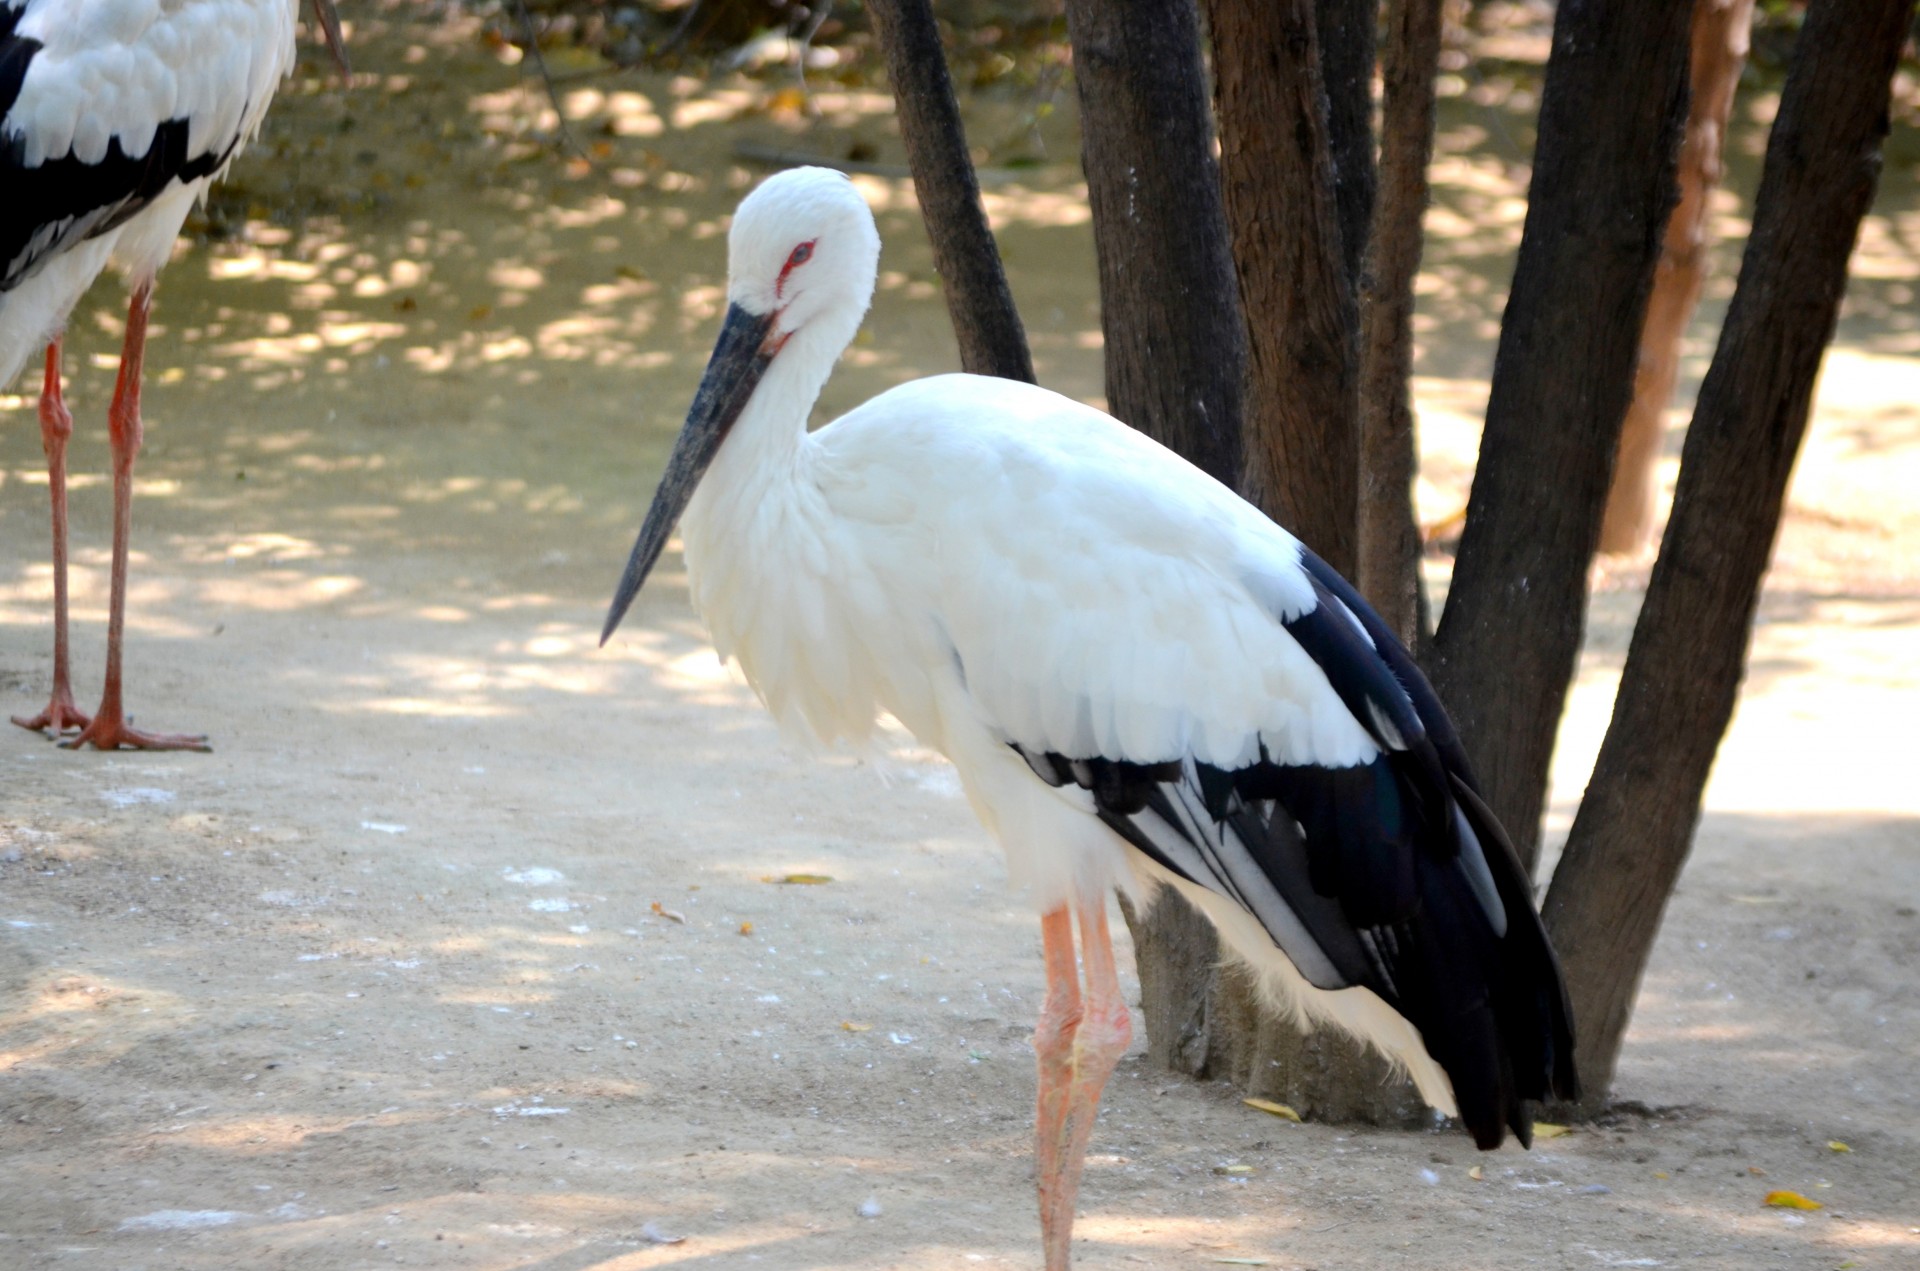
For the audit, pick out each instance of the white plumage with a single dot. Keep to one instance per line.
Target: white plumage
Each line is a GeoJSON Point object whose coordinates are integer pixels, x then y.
{"type": "Point", "coordinates": [116, 116]}
{"type": "Point", "coordinates": [1140, 679]}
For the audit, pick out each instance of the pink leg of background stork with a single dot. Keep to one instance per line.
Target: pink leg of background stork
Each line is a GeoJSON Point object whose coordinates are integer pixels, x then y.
{"type": "Point", "coordinates": [56, 426]}
{"type": "Point", "coordinates": [1078, 1041]}
{"type": "Point", "coordinates": [109, 729]}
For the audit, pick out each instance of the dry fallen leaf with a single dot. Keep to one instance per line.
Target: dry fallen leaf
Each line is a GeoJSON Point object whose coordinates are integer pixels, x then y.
{"type": "Point", "coordinates": [852, 1027]}
{"type": "Point", "coordinates": [1477, 1174]}
{"type": "Point", "coordinates": [1835, 1145]}
{"type": "Point", "coordinates": [1280, 1110]}
{"type": "Point", "coordinates": [801, 880]}
{"type": "Point", "coordinates": [671, 915]}
{"type": "Point", "coordinates": [1756, 1171]}
{"type": "Point", "coordinates": [1791, 1200]}
{"type": "Point", "coordinates": [1548, 1130]}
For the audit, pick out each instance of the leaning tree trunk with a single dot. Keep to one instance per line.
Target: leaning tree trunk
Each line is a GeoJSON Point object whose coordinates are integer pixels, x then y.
{"type": "Point", "coordinates": [1689, 647]}
{"type": "Point", "coordinates": [1389, 538]}
{"type": "Point", "coordinates": [1720, 31]}
{"type": "Point", "coordinates": [1504, 654]}
{"type": "Point", "coordinates": [992, 341]}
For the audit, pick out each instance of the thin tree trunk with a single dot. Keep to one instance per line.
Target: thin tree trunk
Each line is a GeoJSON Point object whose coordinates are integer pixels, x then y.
{"type": "Point", "coordinates": [992, 341]}
{"type": "Point", "coordinates": [1175, 351]}
{"type": "Point", "coordinates": [1302, 413]}
{"type": "Point", "coordinates": [1688, 654]}
{"type": "Point", "coordinates": [1346, 31]}
{"type": "Point", "coordinates": [1720, 32]}
{"type": "Point", "coordinates": [1504, 654]}
{"type": "Point", "coordinates": [1389, 538]}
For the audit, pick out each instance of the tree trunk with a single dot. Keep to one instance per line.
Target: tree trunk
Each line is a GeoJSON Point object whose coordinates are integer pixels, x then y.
{"type": "Point", "coordinates": [1389, 537]}
{"type": "Point", "coordinates": [1720, 31]}
{"type": "Point", "coordinates": [1346, 33]}
{"type": "Point", "coordinates": [1175, 351]}
{"type": "Point", "coordinates": [992, 341]}
{"type": "Point", "coordinates": [1302, 412]}
{"type": "Point", "coordinates": [1175, 338]}
{"type": "Point", "coordinates": [1286, 201]}
{"type": "Point", "coordinates": [1610, 116]}
{"type": "Point", "coordinates": [1689, 647]}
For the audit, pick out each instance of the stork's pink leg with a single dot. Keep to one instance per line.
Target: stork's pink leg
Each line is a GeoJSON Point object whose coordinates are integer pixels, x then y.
{"type": "Point", "coordinates": [56, 426]}
{"type": "Point", "coordinates": [109, 730]}
{"type": "Point", "coordinates": [1078, 1042]}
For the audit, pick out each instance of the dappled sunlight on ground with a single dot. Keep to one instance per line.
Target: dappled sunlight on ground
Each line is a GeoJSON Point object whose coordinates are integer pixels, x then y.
{"type": "Point", "coordinates": [468, 945]}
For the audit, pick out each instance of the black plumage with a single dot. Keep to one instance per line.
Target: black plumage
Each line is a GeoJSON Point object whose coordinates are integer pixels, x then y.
{"type": "Point", "coordinates": [1391, 875]}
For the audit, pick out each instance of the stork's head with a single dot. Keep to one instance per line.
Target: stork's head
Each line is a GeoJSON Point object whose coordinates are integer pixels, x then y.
{"type": "Point", "coordinates": [803, 251]}
{"type": "Point", "coordinates": [801, 261]}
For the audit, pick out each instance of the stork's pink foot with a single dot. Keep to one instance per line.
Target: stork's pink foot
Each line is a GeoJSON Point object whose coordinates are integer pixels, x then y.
{"type": "Point", "coordinates": [56, 426]}
{"type": "Point", "coordinates": [110, 731]}
{"type": "Point", "coordinates": [1079, 1042]}
{"type": "Point", "coordinates": [60, 716]}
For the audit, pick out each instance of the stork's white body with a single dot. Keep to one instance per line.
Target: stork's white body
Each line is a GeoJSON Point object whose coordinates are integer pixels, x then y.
{"type": "Point", "coordinates": [115, 118]}
{"type": "Point", "coordinates": [106, 77]}
{"type": "Point", "coordinates": [1104, 596]}
{"type": "Point", "coordinates": [1139, 678]}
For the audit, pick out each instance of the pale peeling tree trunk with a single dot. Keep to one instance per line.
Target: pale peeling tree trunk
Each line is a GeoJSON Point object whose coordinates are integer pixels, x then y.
{"type": "Point", "coordinates": [1389, 537]}
{"type": "Point", "coordinates": [1688, 654]}
{"type": "Point", "coordinates": [1504, 654]}
{"type": "Point", "coordinates": [1720, 34]}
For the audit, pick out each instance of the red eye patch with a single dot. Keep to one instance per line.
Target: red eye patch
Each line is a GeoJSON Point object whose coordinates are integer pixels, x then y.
{"type": "Point", "coordinates": [799, 256]}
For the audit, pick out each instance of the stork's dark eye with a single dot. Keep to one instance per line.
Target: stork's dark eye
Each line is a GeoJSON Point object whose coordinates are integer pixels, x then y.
{"type": "Point", "coordinates": [801, 255]}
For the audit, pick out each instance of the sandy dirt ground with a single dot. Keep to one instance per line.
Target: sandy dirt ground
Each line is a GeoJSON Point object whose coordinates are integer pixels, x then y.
{"type": "Point", "coordinates": [466, 947]}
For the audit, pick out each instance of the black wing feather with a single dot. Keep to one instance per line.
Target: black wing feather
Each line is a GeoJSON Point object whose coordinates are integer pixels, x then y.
{"type": "Point", "coordinates": [1391, 875]}
{"type": "Point", "coordinates": [52, 205]}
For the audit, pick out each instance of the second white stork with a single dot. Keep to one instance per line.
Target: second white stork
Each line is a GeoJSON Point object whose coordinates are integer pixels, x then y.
{"type": "Point", "coordinates": [115, 118]}
{"type": "Point", "coordinates": [1140, 679]}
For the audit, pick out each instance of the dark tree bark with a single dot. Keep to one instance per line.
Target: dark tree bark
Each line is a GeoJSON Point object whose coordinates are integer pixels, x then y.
{"type": "Point", "coordinates": [992, 341]}
{"type": "Point", "coordinates": [1720, 31]}
{"type": "Point", "coordinates": [1389, 537]}
{"type": "Point", "coordinates": [1175, 338]}
{"type": "Point", "coordinates": [1689, 647]}
{"type": "Point", "coordinates": [1346, 32]}
{"type": "Point", "coordinates": [1175, 355]}
{"type": "Point", "coordinates": [1175, 348]}
{"type": "Point", "coordinates": [1284, 203]}
{"type": "Point", "coordinates": [1603, 183]}
{"type": "Point", "coordinates": [1302, 412]}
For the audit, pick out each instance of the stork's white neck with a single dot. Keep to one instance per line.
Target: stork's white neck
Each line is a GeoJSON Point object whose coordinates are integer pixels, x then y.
{"type": "Point", "coordinates": [766, 440]}
{"type": "Point", "coordinates": [765, 568]}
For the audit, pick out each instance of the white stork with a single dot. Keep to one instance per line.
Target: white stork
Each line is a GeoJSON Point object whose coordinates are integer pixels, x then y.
{"type": "Point", "coordinates": [115, 118]}
{"type": "Point", "coordinates": [1139, 678]}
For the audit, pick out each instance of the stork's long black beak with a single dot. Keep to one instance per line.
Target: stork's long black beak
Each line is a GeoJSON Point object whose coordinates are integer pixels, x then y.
{"type": "Point", "coordinates": [329, 21]}
{"type": "Point", "coordinates": [739, 359]}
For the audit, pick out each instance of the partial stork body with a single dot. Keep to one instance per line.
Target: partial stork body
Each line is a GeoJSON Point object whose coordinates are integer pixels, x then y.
{"type": "Point", "coordinates": [1140, 680]}
{"type": "Point", "coordinates": [115, 118]}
